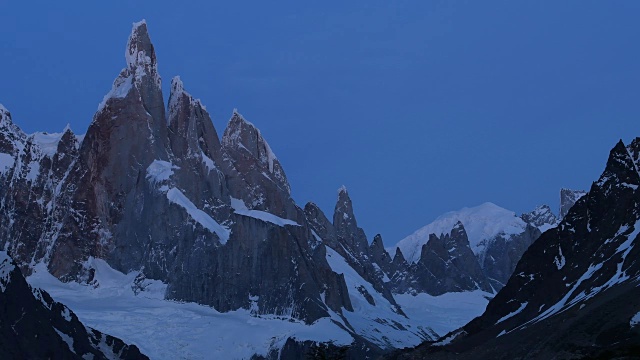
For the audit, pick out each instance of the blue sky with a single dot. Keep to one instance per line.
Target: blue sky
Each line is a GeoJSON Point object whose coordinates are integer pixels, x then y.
{"type": "Point", "coordinates": [418, 107]}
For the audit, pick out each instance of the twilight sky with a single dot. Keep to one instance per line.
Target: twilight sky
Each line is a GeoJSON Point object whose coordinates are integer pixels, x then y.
{"type": "Point", "coordinates": [418, 107]}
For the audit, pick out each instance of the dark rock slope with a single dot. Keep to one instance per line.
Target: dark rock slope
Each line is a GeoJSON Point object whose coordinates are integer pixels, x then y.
{"type": "Point", "coordinates": [33, 326]}
{"type": "Point", "coordinates": [576, 292]}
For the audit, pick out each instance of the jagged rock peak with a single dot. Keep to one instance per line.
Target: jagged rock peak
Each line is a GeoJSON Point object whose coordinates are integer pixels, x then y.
{"type": "Point", "coordinates": [141, 72]}
{"type": "Point", "coordinates": [344, 203]}
{"type": "Point", "coordinates": [177, 95]}
{"type": "Point", "coordinates": [140, 53]}
{"type": "Point", "coordinates": [5, 115]}
{"type": "Point", "coordinates": [569, 197]}
{"type": "Point", "coordinates": [540, 216]}
{"type": "Point", "coordinates": [377, 242]}
{"type": "Point", "coordinates": [343, 215]}
{"type": "Point", "coordinates": [241, 134]}
{"type": "Point", "coordinates": [399, 257]}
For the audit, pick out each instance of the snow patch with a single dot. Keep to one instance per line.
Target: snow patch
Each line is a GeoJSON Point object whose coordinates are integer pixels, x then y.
{"type": "Point", "coordinates": [119, 90]}
{"type": "Point", "coordinates": [6, 163]}
{"type": "Point", "coordinates": [559, 260]}
{"type": "Point", "coordinates": [6, 267]}
{"type": "Point", "coordinates": [240, 208]}
{"type": "Point", "coordinates": [635, 320]}
{"type": "Point", "coordinates": [160, 171]}
{"type": "Point", "coordinates": [47, 142]}
{"type": "Point", "coordinates": [66, 338]}
{"type": "Point", "coordinates": [514, 313]}
{"type": "Point", "coordinates": [177, 197]}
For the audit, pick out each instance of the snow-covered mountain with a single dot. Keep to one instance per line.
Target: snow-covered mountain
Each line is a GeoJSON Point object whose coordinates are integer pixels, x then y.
{"type": "Point", "coordinates": [483, 224]}
{"type": "Point", "coordinates": [153, 218]}
{"type": "Point", "coordinates": [154, 197]}
{"type": "Point", "coordinates": [576, 291]}
{"type": "Point", "coordinates": [497, 237]}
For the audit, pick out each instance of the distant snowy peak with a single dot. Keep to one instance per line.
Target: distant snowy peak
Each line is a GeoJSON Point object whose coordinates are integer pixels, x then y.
{"type": "Point", "coordinates": [541, 217]}
{"type": "Point", "coordinates": [568, 198]}
{"type": "Point", "coordinates": [482, 224]}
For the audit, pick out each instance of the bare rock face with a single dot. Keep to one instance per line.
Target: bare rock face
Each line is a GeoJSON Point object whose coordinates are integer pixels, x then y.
{"type": "Point", "coordinates": [254, 173]}
{"type": "Point", "coordinates": [568, 198]}
{"type": "Point", "coordinates": [502, 256]}
{"type": "Point", "coordinates": [349, 234]}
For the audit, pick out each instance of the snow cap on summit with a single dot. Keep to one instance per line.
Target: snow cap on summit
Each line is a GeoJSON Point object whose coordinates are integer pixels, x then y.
{"type": "Point", "coordinates": [342, 189]}
{"type": "Point", "coordinates": [139, 48]}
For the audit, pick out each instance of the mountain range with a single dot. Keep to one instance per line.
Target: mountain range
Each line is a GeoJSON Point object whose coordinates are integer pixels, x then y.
{"type": "Point", "coordinates": [151, 217]}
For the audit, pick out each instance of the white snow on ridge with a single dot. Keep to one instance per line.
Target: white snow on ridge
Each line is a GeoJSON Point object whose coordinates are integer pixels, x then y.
{"type": "Point", "coordinates": [119, 90]}
{"type": "Point", "coordinates": [374, 322]}
{"type": "Point", "coordinates": [48, 142]}
{"type": "Point", "coordinates": [240, 208]}
{"type": "Point", "coordinates": [164, 329]}
{"type": "Point", "coordinates": [177, 197]}
{"type": "Point", "coordinates": [482, 223]}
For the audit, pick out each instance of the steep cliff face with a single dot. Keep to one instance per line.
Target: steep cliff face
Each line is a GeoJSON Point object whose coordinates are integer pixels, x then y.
{"type": "Point", "coordinates": [568, 198]}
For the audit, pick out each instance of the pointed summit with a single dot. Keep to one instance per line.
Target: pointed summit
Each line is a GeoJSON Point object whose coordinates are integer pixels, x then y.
{"type": "Point", "coordinates": [242, 136]}
{"type": "Point", "coordinates": [378, 252]}
{"type": "Point", "coordinates": [140, 52]}
{"type": "Point", "coordinates": [347, 230]}
{"type": "Point", "coordinates": [343, 215]}
{"type": "Point", "coordinates": [177, 97]}
{"type": "Point", "coordinates": [12, 138]}
{"type": "Point", "coordinates": [398, 258]}
{"type": "Point", "coordinates": [5, 115]}
{"type": "Point", "coordinates": [191, 132]}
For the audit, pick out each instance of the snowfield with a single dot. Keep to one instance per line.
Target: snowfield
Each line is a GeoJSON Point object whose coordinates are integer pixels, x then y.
{"type": "Point", "coordinates": [165, 329]}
